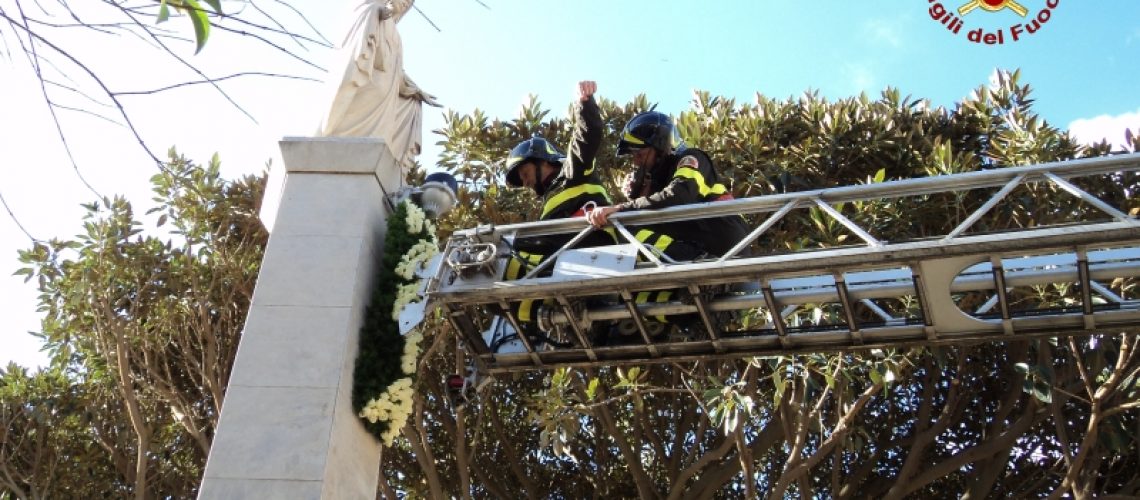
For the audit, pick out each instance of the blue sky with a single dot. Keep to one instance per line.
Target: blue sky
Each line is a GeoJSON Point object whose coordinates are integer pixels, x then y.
{"type": "Point", "coordinates": [1082, 64]}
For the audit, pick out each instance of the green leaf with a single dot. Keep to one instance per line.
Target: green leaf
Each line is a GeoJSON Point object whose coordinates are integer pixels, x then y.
{"type": "Point", "coordinates": [216, 5]}
{"type": "Point", "coordinates": [1043, 392]}
{"type": "Point", "coordinates": [811, 382]}
{"type": "Point", "coordinates": [201, 23]}
{"type": "Point", "coordinates": [881, 175]}
{"type": "Point", "coordinates": [27, 272]}
{"type": "Point", "coordinates": [163, 15]}
{"type": "Point", "coordinates": [1046, 373]}
{"type": "Point", "coordinates": [711, 394]}
{"type": "Point", "coordinates": [592, 389]}
{"type": "Point", "coordinates": [1114, 436]}
{"type": "Point", "coordinates": [731, 422]}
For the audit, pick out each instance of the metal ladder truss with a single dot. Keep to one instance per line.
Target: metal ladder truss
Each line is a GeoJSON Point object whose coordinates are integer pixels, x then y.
{"type": "Point", "coordinates": [953, 288]}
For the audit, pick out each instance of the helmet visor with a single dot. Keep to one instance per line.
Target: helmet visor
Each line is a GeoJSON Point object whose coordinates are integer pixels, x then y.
{"type": "Point", "coordinates": [514, 178]}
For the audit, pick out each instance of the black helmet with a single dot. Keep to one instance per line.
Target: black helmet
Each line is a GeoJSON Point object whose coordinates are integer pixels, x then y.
{"type": "Point", "coordinates": [535, 148]}
{"type": "Point", "coordinates": [650, 129]}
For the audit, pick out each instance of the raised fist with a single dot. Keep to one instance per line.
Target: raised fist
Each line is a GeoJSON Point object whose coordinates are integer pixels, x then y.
{"type": "Point", "coordinates": [586, 88]}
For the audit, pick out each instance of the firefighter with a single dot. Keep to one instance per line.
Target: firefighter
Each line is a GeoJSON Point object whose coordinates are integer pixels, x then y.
{"type": "Point", "coordinates": [668, 174]}
{"type": "Point", "coordinates": [570, 187]}
{"type": "Point", "coordinates": [567, 185]}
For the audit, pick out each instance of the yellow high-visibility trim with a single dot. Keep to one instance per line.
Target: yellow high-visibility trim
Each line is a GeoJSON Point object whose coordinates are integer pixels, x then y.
{"type": "Point", "coordinates": [661, 243]}
{"type": "Point", "coordinates": [659, 297]}
{"type": "Point", "coordinates": [613, 234]}
{"type": "Point", "coordinates": [515, 271]}
{"type": "Point", "coordinates": [571, 193]}
{"type": "Point", "coordinates": [525, 310]}
{"type": "Point", "coordinates": [514, 266]}
{"type": "Point", "coordinates": [662, 297]}
{"type": "Point", "coordinates": [695, 175]}
{"type": "Point", "coordinates": [628, 137]}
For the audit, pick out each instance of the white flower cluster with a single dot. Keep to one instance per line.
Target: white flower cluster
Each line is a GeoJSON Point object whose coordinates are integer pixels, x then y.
{"type": "Point", "coordinates": [411, 353]}
{"type": "Point", "coordinates": [404, 296]}
{"type": "Point", "coordinates": [393, 406]}
{"type": "Point", "coordinates": [415, 258]}
{"type": "Point", "coordinates": [417, 221]}
{"type": "Point", "coordinates": [411, 261]}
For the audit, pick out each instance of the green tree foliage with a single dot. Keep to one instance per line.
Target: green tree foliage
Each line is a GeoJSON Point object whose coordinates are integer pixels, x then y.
{"type": "Point", "coordinates": [1055, 417]}
{"type": "Point", "coordinates": [46, 446]}
{"type": "Point", "coordinates": [142, 332]}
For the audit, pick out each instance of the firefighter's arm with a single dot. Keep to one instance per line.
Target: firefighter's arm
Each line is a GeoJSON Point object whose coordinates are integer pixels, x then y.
{"type": "Point", "coordinates": [683, 189]}
{"type": "Point", "coordinates": [676, 193]}
{"type": "Point", "coordinates": [587, 138]}
{"type": "Point", "coordinates": [680, 191]}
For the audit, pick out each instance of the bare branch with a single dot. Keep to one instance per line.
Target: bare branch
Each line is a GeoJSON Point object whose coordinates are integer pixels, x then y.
{"type": "Point", "coordinates": [414, 6]}
{"type": "Point", "coordinates": [76, 91]}
{"type": "Point", "coordinates": [88, 113]}
{"type": "Point", "coordinates": [17, 220]}
{"type": "Point", "coordinates": [801, 467]}
{"type": "Point", "coordinates": [1116, 410]}
{"type": "Point", "coordinates": [191, 67]}
{"type": "Point", "coordinates": [704, 460]}
{"type": "Point", "coordinates": [212, 81]}
{"type": "Point", "coordinates": [281, 28]}
{"type": "Point", "coordinates": [271, 44]}
{"type": "Point", "coordinates": [983, 449]}
{"type": "Point", "coordinates": [34, 60]}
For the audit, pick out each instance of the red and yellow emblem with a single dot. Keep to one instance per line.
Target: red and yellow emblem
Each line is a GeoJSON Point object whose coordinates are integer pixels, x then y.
{"type": "Point", "coordinates": [993, 6]}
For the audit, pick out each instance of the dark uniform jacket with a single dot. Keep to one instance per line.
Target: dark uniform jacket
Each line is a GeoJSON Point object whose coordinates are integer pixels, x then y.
{"type": "Point", "coordinates": [576, 184]}
{"type": "Point", "coordinates": [688, 177]}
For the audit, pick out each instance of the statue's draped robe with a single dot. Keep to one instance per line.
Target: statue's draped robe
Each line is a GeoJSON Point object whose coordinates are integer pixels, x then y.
{"type": "Point", "coordinates": [376, 98]}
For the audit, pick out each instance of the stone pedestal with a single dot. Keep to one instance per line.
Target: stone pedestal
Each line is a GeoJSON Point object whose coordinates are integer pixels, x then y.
{"type": "Point", "coordinates": [287, 428]}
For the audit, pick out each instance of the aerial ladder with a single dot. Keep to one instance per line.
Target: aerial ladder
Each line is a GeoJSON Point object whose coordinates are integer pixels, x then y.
{"type": "Point", "coordinates": [943, 289]}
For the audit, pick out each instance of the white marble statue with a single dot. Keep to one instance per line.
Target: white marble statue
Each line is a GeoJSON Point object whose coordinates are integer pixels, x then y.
{"type": "Point", "coordinates": [376, 98]}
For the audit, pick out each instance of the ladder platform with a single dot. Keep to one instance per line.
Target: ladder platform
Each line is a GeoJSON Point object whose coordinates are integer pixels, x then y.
{"type": "Point", "coordinates": [958, 287]}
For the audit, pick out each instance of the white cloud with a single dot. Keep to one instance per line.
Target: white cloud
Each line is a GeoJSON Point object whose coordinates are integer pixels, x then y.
{"type": "Point", "coordinates": [884, 30]}
{"type": "Point", "coordinates": [861, 76]}
{"type": "Point", "coordinates": [1105, 127]}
